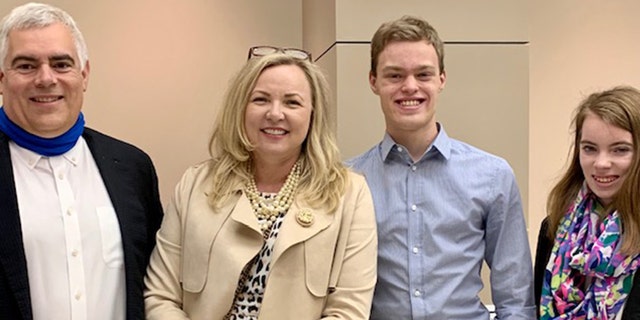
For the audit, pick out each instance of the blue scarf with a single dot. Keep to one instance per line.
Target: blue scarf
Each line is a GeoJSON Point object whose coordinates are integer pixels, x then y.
{"type": "Point", "coordinates": [43, 146]}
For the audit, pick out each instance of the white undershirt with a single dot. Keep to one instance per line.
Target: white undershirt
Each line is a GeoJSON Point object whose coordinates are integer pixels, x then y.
{"type": "Point", "coordinates": [71, 236]}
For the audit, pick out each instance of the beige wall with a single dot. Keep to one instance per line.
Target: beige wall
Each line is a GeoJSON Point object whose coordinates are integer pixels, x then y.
{"type": "Point", "coordinates": [159, 68]}
{"type": "Point", "coordinates": [577, 46]}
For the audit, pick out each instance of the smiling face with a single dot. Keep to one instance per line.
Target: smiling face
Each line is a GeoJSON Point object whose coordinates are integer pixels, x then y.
{"type": "Point", "coordinates": [278, 114]}
{"type": "Point", "coordinates": [408, 83]}
{"type": "Point", "coordinates": [42, 82]}
{"type": "Point", "coordinates": [606, 153]}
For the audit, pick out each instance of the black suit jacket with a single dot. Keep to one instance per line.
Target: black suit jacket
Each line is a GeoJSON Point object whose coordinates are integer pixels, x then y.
{"type": "Point", "coordinates": [132, 184]}
{"type": "Point", "coordinates": [543, 252]}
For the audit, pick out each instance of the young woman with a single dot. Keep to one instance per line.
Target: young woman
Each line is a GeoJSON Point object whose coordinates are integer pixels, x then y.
{"type": "Point", "coordinates": [589, 242]}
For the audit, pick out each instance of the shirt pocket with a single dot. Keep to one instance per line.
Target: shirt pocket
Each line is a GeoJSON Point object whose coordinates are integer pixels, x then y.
{"type": "Point", "coordinates": [110, 237]}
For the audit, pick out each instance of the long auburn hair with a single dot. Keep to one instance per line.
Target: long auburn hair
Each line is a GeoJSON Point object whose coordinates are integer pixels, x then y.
{"type": "Point", "coordinates": [619, 106]}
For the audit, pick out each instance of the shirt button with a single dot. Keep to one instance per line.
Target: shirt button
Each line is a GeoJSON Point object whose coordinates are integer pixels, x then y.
{"type": "Point", "coordinates": [78, 295]}
{"type": "Point", "coordinates": [414, 207]}
{"type": "Point", "coordinates": [417, 293]}
{"type": "Point", "coordinates": [74, 252]}
{"type": "Point", "coordinates": [69, 211]}
{"type": "Point", "coordinates": [413, 168]}
{"type": "Point", "coordinates": [60, 176]}
{"type": "Point", "coordinates": [399, 149]}
{"type": "Point", "coordinates": [415, 250]}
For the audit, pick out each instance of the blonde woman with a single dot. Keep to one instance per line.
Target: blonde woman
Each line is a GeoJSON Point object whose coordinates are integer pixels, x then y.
{"type": "Point", "coordinates": [273, 226]}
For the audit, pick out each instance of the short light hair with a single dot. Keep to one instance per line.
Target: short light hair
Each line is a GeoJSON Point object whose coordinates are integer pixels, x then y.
{"type": "Point", "coordinates": [620, 107]}
{"type": "Point", "coordinates": [407, 28]}
{"type": "Point", "coordinates": [323, 176]}
{"type": "Point", "coordinates": [38, 15]}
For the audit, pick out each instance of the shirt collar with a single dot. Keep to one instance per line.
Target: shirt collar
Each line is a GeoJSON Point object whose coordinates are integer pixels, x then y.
{"type": "Point", "coordinates": [440, 145]}
{"type": "Point", "coordinates": [31, 158]}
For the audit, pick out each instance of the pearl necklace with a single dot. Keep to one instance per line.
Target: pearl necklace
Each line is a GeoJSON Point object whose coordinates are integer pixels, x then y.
{"type": "Point", "coordinates": [268, 211]}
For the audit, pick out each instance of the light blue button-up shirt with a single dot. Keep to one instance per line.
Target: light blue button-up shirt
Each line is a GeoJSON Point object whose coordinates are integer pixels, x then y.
{"type": "Point", "coordinates": [438, 219]}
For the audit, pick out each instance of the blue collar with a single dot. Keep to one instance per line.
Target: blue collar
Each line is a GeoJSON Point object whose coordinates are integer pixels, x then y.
{"type": "Point", "coordinates": [44, 146]}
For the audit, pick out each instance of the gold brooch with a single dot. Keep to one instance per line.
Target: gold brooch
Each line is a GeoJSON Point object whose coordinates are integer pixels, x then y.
{"type": "Point", "coordinates": [305, 218]}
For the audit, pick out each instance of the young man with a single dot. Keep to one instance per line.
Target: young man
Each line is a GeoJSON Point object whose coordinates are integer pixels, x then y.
{"type": "Point", "coordinates": [78, 209]}
{"type": "Point", "coordinates": [442, 206]}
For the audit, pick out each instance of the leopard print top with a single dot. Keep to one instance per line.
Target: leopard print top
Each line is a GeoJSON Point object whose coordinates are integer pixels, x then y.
{"type": "Point", "coordinates": [253, 279]}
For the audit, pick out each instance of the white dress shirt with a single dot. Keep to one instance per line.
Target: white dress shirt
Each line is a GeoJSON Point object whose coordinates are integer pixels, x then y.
{"type": "Point", "coordinates": [71, 236]}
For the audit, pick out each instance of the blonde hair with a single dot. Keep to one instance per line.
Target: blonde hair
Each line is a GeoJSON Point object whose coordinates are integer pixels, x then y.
{"type": "Point", "coordinates": [619, 106]}
{"type": "Point", "coordinates": [323, 178]}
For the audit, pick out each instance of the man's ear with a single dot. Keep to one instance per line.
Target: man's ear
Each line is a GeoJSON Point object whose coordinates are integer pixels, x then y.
{"type": "Point", "coordinates": [372, 82]}
{"type": "Point", "coordinates": [85, 75]}
{"type": "Point", "coordinates": [1, 82]}
{"type": "Point", "coordinates": [443, 80]}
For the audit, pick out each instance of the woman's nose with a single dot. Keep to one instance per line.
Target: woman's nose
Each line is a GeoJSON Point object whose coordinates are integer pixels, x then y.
{"type": "Point", "coordinates": [275, 111]}
{"type": "Point", "coordinates": [603, 160]}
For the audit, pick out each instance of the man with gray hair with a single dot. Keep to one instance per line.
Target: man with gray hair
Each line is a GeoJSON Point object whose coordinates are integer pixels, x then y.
{"type": "Point", "coordinates": [78, 209]}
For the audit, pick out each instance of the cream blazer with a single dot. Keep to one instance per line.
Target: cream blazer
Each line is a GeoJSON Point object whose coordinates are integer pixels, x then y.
{"type": "Point", "coordinates": [323, 271]}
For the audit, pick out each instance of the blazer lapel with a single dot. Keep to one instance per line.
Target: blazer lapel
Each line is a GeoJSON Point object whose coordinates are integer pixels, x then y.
{"type": "Point", "coordinates": [110, 172]}
{"type": "Point", "coordinates": [12, 256]}
{"type": "Point", "coordinates": [117, 180]}
{"type": "Point", "coordinates": [243, 214]}
{"type": "Point", "coordinates": [293, 232]}
{"type": "Point", "coordinates": [199, 236]}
